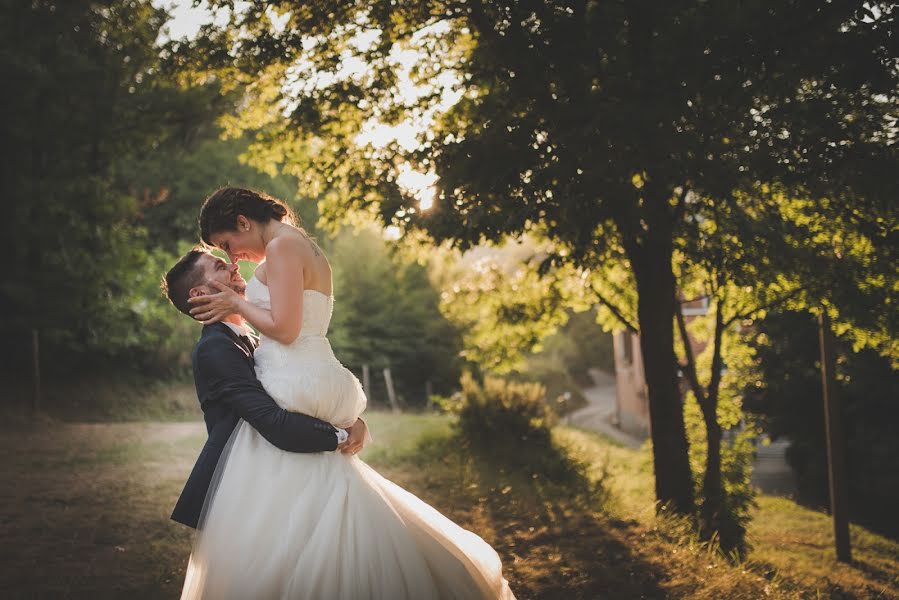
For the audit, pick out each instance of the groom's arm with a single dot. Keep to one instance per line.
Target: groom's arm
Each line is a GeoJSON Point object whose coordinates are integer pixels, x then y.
{"type": "Point", "coordinates": [231, 379]}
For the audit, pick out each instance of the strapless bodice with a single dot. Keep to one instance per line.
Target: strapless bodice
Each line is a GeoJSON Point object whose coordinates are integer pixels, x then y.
{"type": "Point", "coordinates": [305, 376]}
{"type": "Point", "coordinates": [317, 307]}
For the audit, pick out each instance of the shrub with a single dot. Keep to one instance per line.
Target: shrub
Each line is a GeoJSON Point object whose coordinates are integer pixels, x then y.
{"type": "Point", "coordinates": [563, 393]}
{"type": "Point", "coordinates": [502, 412]}
{"type": "Point", "coordinates": [508, 425]}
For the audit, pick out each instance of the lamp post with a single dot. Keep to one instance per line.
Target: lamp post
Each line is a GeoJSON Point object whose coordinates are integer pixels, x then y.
{"type": "Point", "coordinates": [836, 460]}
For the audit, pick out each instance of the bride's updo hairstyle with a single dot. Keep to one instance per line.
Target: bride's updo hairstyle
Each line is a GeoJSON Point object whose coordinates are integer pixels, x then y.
{"type": "Point", "coordinates": [221, 209]}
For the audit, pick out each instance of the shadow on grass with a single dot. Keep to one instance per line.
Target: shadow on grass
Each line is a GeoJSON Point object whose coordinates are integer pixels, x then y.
{"type": "Point", "coordinates": [85, 511]}
{"type": "Point", "coordinates": [874, 572]}
{"type": "Point", "coordinates": [878, 585]}
{"type": "Point", "coordinates": [543, 515]}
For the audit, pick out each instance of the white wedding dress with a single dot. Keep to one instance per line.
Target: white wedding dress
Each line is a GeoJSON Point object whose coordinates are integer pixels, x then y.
{"type": "Point", "coordinates": [324, 526]}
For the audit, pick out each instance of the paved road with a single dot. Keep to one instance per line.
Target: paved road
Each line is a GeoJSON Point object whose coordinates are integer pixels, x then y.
{"type": "Point", "coordinates": [599, 414]}
{"type": "Point", "coordinates": [770, 472]}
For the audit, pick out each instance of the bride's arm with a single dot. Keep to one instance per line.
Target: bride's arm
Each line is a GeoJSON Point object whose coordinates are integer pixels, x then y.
{"type": "Point", "coordinates": [284, 278]}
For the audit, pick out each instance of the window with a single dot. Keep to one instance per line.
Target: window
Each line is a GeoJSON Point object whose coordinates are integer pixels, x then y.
{"type": "Point", "coordinates": [693, 308]}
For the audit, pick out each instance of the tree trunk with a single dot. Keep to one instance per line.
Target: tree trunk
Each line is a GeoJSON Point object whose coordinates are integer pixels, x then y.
{"type": "Point", "coordinates": [712, 489]}
{"type": "Point", "coordinates": [711, 514]}
{"type": "Point", "coordinates": [655, 311]}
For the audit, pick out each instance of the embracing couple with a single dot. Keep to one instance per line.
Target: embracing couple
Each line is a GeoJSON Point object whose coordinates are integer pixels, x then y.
{"type": "Point", "coordinates": [283, 506]}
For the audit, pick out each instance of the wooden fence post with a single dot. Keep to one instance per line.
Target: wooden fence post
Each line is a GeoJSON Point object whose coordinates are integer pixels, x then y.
{"type": "Point", "coordinates": [391, 393]}
{"type": "Point", "coordinates": [366, 382]}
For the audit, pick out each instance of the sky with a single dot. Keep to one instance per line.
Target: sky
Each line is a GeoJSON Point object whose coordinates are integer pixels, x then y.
{"type": "Point", "coordinates": [186, 20]}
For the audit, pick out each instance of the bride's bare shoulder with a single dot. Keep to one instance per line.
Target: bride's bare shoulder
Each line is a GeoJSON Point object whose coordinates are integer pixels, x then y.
{"type": "Point", "coordinates": [294, 240]}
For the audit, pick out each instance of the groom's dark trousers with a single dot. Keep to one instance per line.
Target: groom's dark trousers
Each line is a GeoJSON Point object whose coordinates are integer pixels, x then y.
{"type": "Point", "coordinates": [229, 391]}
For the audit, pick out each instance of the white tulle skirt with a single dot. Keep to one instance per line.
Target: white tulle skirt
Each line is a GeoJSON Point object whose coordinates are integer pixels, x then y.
{"type": "Point", "coordinates": [328, 527]}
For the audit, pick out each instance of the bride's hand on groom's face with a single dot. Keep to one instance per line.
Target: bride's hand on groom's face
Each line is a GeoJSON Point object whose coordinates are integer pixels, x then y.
{"type": "Point", "coordinates": [212, 308]}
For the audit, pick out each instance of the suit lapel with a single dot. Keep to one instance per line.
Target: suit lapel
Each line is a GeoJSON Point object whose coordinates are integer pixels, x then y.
{"type": "Point", "coordinates": [242, 342]}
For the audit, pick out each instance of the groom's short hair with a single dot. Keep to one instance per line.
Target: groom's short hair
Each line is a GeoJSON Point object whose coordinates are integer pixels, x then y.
{"type": "Point", "coordinates": [184, 276]}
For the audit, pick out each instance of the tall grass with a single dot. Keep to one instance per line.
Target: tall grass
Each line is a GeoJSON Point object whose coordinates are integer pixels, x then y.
{"type": "Point", "coordinates": [108, 398]}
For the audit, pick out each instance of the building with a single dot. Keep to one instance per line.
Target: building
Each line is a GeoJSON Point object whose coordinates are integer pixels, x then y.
{"type": "Point", "coordinates": [631, 397]}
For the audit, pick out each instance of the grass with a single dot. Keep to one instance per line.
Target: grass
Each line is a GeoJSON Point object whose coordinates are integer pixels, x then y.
{"type": "Point", "coordinates": [396, 438]}
{"type": "Point", "coordinates": [105, 399]}
{"type": "Point", "coordinates": [792, 553]}
{"type": "Point", "coordinates": [795, 544]}
{"type": "Point", "coordinates": [85, 509]}
{"type": "Point", "coordinates": [84, 514]}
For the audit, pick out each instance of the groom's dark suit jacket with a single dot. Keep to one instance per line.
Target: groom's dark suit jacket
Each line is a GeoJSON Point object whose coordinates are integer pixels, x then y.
{"type": "Point", "coordinates": [229, 391]}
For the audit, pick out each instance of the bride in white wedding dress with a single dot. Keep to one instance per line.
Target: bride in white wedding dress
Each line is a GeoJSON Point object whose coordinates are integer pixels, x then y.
{"type": "Point", "coordinates": [318, 526]}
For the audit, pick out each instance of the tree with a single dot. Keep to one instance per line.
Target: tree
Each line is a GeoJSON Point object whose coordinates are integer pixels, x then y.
{"type": "Point", "coordinates": [504, 306]}
{"type": "Point", "coordinates": [387, 316]}
{"type": "Point", "coordinates": [783, 385]}
{"type": "Point", "coordinates": [749, 260]}
{"type": "Point", "coordinates": [74, 67]}
{"type": "Point", "coordinates": [172, 183]}
{"type": "Point", "coordinates": [589, 123]}
{"type": "Point", "coordinates": [91, 99]}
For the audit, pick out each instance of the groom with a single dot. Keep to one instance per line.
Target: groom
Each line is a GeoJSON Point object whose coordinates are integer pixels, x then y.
{"type": "Point", "coordinates": [228, 389]}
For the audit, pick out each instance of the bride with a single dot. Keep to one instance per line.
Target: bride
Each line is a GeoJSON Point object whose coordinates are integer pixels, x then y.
{"type": "Point", "coordinates": [318, 526]}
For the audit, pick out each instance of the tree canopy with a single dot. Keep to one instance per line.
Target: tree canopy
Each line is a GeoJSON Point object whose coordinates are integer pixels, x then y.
{"type": "Point", "coordinates": [89, 96]}
{"type": "Point", "coordinates": [595, 125]}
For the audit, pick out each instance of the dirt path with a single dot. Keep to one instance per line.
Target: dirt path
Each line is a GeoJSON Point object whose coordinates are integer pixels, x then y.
{"type": "Point", "coordinates": [84, 510]}
{"type": "Point", "coordinates": [85, 513]}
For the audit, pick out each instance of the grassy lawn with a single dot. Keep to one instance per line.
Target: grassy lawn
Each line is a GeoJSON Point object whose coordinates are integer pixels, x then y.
{"type": "Point", "coordinates": [792, 552]}
{"type": "Point", "coordinates": [796, 545]}
{"type": "Point", "coordinates": [85, 515]}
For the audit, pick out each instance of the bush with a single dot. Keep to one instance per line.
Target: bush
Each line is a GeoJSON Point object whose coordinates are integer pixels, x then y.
{"type": "Point", "coordinates": [563, 393]}
{"type": "Point", "coordinates": [503, 412]}
{"type": "Point", "coordinates": [507, 425]}
{"type": "Point", "coordinates": [564, 362]}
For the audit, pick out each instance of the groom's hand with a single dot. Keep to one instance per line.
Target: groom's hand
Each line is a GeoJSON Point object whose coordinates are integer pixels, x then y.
{"type": "Point", "coordinates": [356, 441]}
